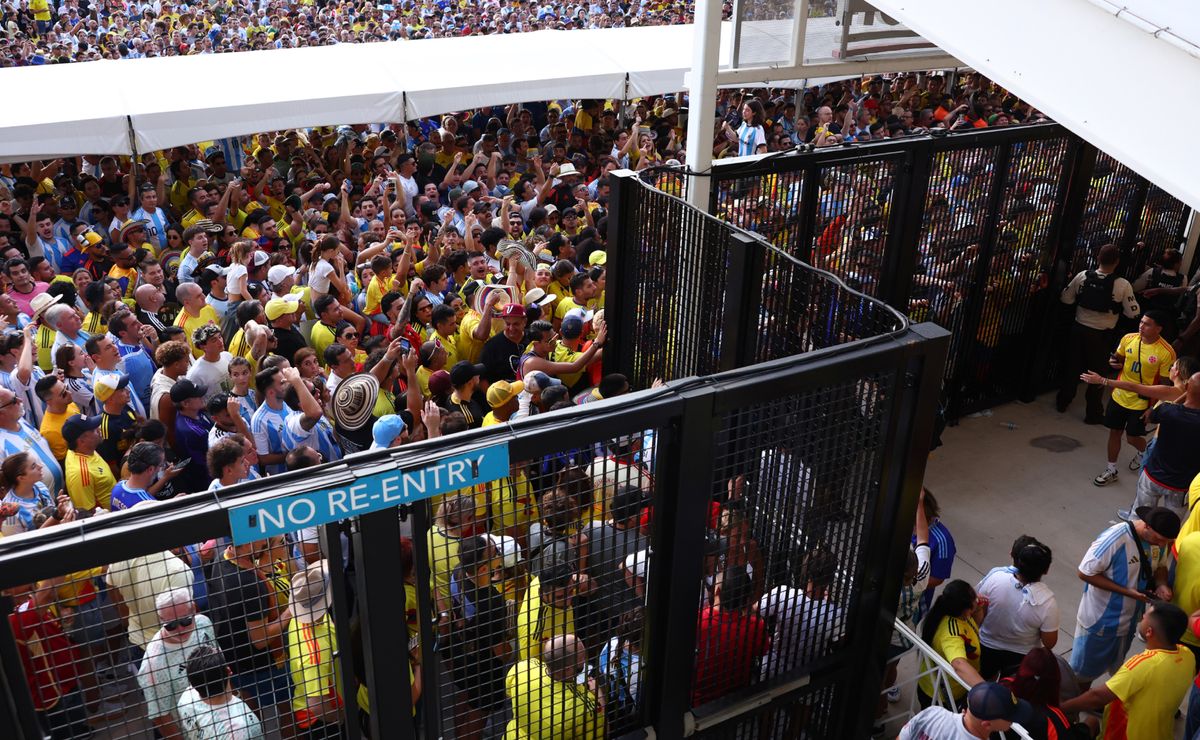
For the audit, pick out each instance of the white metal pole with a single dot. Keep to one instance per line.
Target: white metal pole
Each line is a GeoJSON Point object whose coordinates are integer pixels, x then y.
{"type": "Point", "coordinates": [702, 98]}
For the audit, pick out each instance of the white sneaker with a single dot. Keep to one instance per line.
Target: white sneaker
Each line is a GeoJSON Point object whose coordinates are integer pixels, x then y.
{"type": "Point", "coordinates": [1136, 462]}
{"type": "Point", "coordinates": [1108, 476]}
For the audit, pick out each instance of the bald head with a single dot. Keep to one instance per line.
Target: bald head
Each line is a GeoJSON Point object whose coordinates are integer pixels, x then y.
{"type": "Point", "coordinates": [564, 657]}
{"type": "Point", "coordinates": [148, 298]}
{"type": "Point", "coordinates": [186, 291]}
{"type": "Point", "coordinates": [1193, 391]}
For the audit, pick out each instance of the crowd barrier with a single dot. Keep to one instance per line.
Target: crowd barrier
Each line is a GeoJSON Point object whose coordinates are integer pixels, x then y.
{"type": "Point", "coordinates": [791, 454]}
{"type": "Point", "coordinates": [977, 231]}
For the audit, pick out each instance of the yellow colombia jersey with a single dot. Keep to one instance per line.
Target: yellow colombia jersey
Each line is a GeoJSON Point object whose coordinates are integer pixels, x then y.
{"type": "Point", "coordinates": [509, 500]}
{"type": "Point", "coordinates": [1187, 578]}
{"type": "Point", "coordinates": [1149, 688]}
{"type": "Point", "coordinates": [1144, 363]}
{"type": "Point", "coordinates": [311, 658]}
{"type": "Point", "coordinates": [1192, 523]}
{"type": "Point", "coordinates": [538, 621]}
{"type": "Point", "coordinates": [546, 708]}
{"type": "Point", "coordinates": [954, 638]}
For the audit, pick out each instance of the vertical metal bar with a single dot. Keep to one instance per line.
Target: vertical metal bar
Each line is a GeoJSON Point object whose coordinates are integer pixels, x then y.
{"type": "Point", "coordinates": [977, 295]}
{"type": "Point", "coordinates": [331, 546]}
{"type": "Point", "coordinates": [623, 248]}
{"type": "Point", "coordinates": [1133, 225]}
{"type": "Point", "coordinates": [16, 703]}
{"type": "Point", "coordinates": [810, 194]}
{"type": "Point", "coordinates": [743, 302]}
{"type": "Point", "coordinates": [427, 617]}
{"type": "Point", "coordinates": [910, 429]}
{"type": "Point", "coordinates": [381, 607]}
{"type": "Point", "coordinates": [676, 565]}
{"type": "Point", "coordinates": [908, 208]}
{"type": "Point", "coordinates": [1066, 220]}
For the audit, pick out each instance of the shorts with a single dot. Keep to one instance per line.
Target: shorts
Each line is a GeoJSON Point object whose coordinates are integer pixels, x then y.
{"type": "Point", "coordinates": [1094, 655]}
{"type": "Point", "coordinates": [1118, 417]}
{"type": "Point", "coordinates": [266, 686]}
{"type": "Point", "coordinates": [1150, 493]}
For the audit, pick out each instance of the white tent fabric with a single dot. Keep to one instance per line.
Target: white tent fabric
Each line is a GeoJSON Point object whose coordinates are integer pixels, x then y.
{"type": "Point", "coordinates": [180, 100]}
{"type": "Point", "coordinates": [1108, 79]}
{"type": "Point", "coordinates": [81, 108]}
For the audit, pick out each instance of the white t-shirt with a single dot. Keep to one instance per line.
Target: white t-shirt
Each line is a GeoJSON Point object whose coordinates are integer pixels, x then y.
{"type": "Point", "coordinates": [804, 628]}
{"type": "Point", "coordinates": [235, 280]}
{"type": "Point", "coordinates": [412, 191]}
{"type": "Point", "coordinates": [215, 375]}
{"type": "Point", "coordinates": [232, 720]}
{"type": "Point", "coordinates": [1017, 614]}
{"type": "Point", "coordinates": [935, 723]}
{"type": "Point", "coordinates": [163, 673]}
{"type": "Point", "coordinates": [318, 278]}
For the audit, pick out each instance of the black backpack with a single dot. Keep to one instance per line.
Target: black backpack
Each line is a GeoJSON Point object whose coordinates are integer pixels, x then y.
{"type": "Point", "coordinates": [1096, 293]}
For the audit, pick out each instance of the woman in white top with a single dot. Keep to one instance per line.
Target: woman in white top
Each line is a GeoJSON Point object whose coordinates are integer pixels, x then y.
{"type": "Point", "coordinates": [750, 137]}
{"type": "Point", "coordinates": [328, 272]}
{"type": "Point", "coordinates": [240, 255]}
{"type": "Point", "coordinates": [1021, 612]}
{"type": "Point", "coordinates": [76, 366]}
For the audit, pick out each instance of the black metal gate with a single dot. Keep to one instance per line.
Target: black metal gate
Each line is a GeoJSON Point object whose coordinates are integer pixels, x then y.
{"type": "Point", "coordinates": [977, 231]}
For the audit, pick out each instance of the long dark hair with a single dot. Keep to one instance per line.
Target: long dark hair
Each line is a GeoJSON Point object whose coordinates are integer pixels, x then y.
{"type": "Point", "coordinates": [956, 598]}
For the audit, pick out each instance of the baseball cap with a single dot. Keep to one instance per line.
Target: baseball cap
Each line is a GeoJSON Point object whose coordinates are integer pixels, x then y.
{"type": "Point", "coordinates": [106, 384]}
{"type": "Point", "coordinates": [278, 273]}
{"type": "Point", "coordinates": [502, 391]}
{"type": "Point", "coordinates": [571, 327]}
{"type": "Point", "coordinates": [277, 307]}
{"type": "Point", "coordinates": [1162, 520]}
{"type": "Point", "coordinates": [469, 187]}
{"type": "Point", "coordinates": [598, 257]}
{"type": "Point", "coordinates": [76, 425]}
{"type": "Point", "coordinates": [439, 383]}
{"type": "Point", "coordinates": [186, 388]}
{"type": "Point", "coordinates": [463, 371]}
{"type": "Point", "coordinates": [512, 309]}
{"type": "Point", "coordinates": [990, 701]}
{"type": "Point", "coordinates": [387, 428]}
{"type": "Point", "coordinates": [540, 379]}
{"type": "Point", "coordinates": [216, 269]}
{"type": "Point", "coordinates": [261, 258]}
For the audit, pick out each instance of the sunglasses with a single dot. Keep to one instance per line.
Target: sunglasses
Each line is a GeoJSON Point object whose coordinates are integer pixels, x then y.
{"type": "Point", "coordinates": [16, 399]}
{"type": "Point", "coordinates": [177, 623]}
{"type": "Point", "coordinates": [350, 335]}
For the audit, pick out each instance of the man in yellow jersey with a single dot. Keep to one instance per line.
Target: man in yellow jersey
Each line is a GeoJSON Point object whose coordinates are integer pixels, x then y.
{"type": "Point", "coordinates": [1192, 523]}
{"type": "Point", "coordinates": [1141, 698]}
{"type": "Point", "coordinates": [547, 610]}
{"type": "Point", "coordinates": [312, 650]}
{"type": "Point", "coordinates": [195, 314]}
{"type": "Point", "coordinates": [89, 479]}
{"type": "Point", "coordinates": [548, 701]}
{"type": "Point", "coordinates": [1142, 357]}
{"type": "Point", "coordinates": [456, 519]}
{"type": "Point", "coordinates": [503, 397]}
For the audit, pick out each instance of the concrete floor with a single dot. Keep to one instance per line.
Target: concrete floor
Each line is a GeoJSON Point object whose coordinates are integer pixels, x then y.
{"type": "Point", "coordinates": [994, 483]}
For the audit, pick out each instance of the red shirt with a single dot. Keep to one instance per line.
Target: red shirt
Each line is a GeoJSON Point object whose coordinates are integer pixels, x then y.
{"type": "Point", "coordinates": [727, 643]}
{"type": "Point", "coordinates": [47, 655]}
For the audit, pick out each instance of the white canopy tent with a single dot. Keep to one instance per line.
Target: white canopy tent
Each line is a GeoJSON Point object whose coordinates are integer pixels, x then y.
{"type": "Point", "coordinates": [1116, 75]}
{"type": "Point", "coordinates": [92, 107]}
{"type": "Point", "coordinates": [80, 108]}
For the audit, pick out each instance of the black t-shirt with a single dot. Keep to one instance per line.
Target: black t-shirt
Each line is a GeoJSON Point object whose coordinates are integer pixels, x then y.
{"type": "Point", "coordinates": [116, 435]}
{"type": "Point", "coordinates": [1175, 463]}
{"type": "Point", "coordinates": [236, 596]}
{"type": "Point", "coordinates": [288, 342]}
{"type": "Point", "coordinates": [500, 355]}
{"type": "Point", "coordinates": [473, 410]}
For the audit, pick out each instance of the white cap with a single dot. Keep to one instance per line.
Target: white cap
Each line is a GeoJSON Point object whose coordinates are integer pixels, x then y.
{"type": "Point", "coordinates": [278, 273]}
{"type": "Point", "coordinates": [509, 549]}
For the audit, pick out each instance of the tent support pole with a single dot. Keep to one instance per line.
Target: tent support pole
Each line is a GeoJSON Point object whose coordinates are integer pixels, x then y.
{"type": "Point", "coordinates": [621, 118]}
{"type": "Point", "coordinates": [701, 82]}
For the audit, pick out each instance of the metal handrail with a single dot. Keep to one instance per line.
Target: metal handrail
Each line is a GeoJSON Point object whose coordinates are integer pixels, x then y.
{"type": "Point", "coordinates": [944, 677]}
